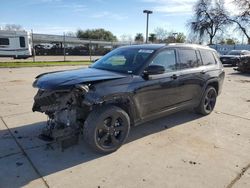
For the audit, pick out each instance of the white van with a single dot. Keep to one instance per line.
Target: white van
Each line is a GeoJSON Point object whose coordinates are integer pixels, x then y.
{"type": "Point", "coordinates": [16, 44]}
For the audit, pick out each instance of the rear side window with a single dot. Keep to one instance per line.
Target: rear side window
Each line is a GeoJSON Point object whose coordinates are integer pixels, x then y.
{"type": "Point", "coordinates": [4, 41]}
{"type": "Point", "coordinates": [22, 42]}
{"type": "Point", "coordinates": [187, 59]}
{"type": "Point", "coordinates": [207, 57]}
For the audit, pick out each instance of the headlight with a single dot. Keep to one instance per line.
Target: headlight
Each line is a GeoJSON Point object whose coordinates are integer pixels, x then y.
{"type": "Point", "coordinates": [83, 88]}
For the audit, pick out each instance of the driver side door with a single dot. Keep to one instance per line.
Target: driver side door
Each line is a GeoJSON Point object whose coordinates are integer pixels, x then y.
{"type": "Point", "coordinates": [158, 93]}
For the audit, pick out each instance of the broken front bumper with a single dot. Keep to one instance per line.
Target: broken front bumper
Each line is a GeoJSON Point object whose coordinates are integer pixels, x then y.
{"type": "Point", "coordinates": [66, 114]}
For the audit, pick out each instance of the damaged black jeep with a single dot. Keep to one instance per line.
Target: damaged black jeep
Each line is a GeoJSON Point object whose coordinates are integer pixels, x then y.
{"type": "Point", "coordinates": [126, 87]}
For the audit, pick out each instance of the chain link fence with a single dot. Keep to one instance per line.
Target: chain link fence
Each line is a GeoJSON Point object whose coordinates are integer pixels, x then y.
{"type": "Point", "coordinates": [67, 48]}
{"type": "Point", "coordinates": [224, 49]}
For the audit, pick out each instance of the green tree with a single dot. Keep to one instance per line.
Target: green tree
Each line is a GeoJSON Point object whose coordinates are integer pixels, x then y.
{"type": "Point", "coordinates": [152, 37]}
{"type": "Point", "coordinates": [229, 41]}
{"type": "Point", "coordinates": [180, 38]}
{"type": "Point", "coordinates": [96, 34]}
{"type": "Point", "coordinates": [139, 37]}
{"type": "Point", "coordinates": [210, 17]}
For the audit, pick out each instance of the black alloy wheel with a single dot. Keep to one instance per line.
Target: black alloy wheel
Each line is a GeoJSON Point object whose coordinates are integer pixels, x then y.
{"type": "Point", "coordinates": [106, 129]}
{"type": "Point", "coordinates": [111, 132]}
{"type": "Point", "coordinates": [208, 101]}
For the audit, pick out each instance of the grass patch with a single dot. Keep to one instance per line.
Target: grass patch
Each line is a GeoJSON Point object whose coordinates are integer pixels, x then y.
{"type": "Point", "coordinates": [42, 64]}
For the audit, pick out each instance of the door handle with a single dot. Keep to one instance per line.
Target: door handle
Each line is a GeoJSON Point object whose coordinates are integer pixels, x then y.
{"type": "Point", "coordinates": [174, 76]}
{"type": "Point", "coordinates": [203, 72]}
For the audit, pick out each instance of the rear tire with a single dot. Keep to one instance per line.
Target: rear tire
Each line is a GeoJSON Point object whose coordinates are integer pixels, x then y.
{"type": "Point", "coordinates": [106, 129]}
{"type": "Point", "coordinates": [208, 101]}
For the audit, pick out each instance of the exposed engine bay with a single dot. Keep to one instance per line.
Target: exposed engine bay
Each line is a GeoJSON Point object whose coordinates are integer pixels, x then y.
{"type": "Point", "coordinates": [66, 114]}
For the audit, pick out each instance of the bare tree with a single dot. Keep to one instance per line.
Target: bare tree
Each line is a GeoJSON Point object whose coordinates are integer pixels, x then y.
{"type": "Point", "coordinates": [161, 34]}
{"type": "Point", "coordinates": [126, 38]}
{"type": "Point", "coordinates": [242, 20]}
{"type": "Point", "coordinates": [70, 34]}
{"type": "Point", "coordinates": [210, 18]}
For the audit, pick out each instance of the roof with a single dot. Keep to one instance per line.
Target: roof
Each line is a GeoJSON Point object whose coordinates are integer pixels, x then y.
{"type": "Point", "coordinates": [12, 33]}
{"type": "Point", "coordinates": [146, 46]}
{"type": "Point", "coordinates": [159, 46]}
{"type": "Point", "coordinates": [195, 46]}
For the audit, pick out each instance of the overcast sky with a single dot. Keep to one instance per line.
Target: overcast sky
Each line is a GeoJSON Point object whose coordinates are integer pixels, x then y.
{"type": "Point", "coordinates": [118, 16]}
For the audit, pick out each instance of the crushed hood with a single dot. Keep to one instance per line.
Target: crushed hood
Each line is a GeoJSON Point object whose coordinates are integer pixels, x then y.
{"type": "Point", "coordinates": [68, 79]}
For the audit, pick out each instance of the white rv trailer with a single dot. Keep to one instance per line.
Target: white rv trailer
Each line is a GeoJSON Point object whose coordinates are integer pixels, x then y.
{"type": "Point", "coordinates": [16, 44]}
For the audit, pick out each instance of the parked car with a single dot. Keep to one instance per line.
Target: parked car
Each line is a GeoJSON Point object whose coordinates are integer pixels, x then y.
{"type": "Point", "coordinates": [233, 57]}
{"type": "Point", "coordinates": [127, 87]}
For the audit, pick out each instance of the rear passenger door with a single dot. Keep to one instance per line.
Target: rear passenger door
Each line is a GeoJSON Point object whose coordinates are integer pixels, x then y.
{"type": "Point", "coordinates": [191, 77]}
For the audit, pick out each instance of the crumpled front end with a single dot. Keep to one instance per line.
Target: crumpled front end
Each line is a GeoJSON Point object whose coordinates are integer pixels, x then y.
{"type": "Point", "coordinates": [66, 113]}
{"type": "Point", "coordinates": [244, 65]}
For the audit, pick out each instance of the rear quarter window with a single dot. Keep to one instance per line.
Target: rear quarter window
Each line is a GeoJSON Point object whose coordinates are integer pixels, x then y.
{"type": "Point", "coordinates": [187, 58]}
{"type": "Point", "coordinates": [207, 57]}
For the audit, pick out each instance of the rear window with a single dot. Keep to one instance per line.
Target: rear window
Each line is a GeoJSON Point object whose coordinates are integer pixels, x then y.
{"type": "Point", "coordinates": [22, 42]}
{"type": "Point", "coordinates": [4, 41]}
{"type": "Point", "coordinates": [207, 57]}
{"type": "Point", "coordinates": [234, 52]}
{"type": "Point", "coordinates": [187, 59]}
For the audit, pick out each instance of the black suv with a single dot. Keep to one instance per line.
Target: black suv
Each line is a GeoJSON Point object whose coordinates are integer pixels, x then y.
{"type": "Point", "coordinates": [127, 87]}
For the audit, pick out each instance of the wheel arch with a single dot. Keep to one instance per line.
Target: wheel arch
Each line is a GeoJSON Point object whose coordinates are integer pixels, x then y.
{"type": "Point", "coordinates": [214, 83]}
{"type": "Point", "coordinates": [124, 102]}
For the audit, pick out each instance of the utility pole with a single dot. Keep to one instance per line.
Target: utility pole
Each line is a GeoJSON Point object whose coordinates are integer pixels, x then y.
{"type": "Point", "coordinates": [33, 47]}
{"type": "Point", "coordinates": [64, 50]}
{"type": "Point", "coordinates": [147, 12]}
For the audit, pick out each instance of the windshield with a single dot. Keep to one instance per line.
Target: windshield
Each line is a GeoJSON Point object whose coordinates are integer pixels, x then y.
{"type": "Point", "coordinates": [124, 60]}
{"type": "Point", "coordinates": [234, 53]}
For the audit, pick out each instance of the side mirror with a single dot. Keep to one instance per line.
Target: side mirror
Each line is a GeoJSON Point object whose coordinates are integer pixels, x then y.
{"type": "Point", "coordinates": [95, 60]}
{"type": "Point", "coordinates": [154, 70]}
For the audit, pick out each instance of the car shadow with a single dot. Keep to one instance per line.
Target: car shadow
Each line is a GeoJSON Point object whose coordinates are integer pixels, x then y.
{"type": "Point", "coordinates": [239, 74]}
{"type": "Point", "coordinates": [48, 158]}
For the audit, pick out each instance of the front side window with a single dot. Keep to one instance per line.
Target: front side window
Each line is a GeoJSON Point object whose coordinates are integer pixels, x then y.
{"type": "Point", "coordinates": [188, 59]}
{"type": "Point", "coordinates": [166, 59]}
{"type": "Point", "coordinates": [4, 41]}
{"type": "Point", "coordinates": [207, 57]}
{"type": "Point", "coordinates": [124, 60]}
{"type": "Point", "coordinates": [22, 42]}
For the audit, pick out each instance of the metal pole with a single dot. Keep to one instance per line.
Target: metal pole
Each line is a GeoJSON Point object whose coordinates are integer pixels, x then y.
{"type": "Point", "coordinates": [147, 12]}
{"type": "Point", "coordinates": [90, 51]}
{"type": "Point", "coordinates": [33, 48]}
{"type": "Point", "coordinates": [147, 29]}
{"type": "Point", "coordinates": [64, 57]}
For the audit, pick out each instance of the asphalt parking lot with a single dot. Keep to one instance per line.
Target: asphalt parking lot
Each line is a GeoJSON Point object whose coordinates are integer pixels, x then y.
{"type": "Point", "coordinates": [182, 150]}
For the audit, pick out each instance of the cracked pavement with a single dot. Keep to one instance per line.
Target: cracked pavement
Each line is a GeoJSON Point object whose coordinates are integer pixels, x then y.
{"type": "Point", "coordinates": [181, 150]}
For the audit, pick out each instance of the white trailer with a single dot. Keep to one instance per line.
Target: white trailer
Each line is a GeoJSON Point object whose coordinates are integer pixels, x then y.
{"type": "Point", "coordinates": [16, 44]}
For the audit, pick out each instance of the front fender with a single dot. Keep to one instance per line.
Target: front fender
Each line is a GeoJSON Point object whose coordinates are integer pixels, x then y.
{"type": "Point", "coordinates": [122, 100]}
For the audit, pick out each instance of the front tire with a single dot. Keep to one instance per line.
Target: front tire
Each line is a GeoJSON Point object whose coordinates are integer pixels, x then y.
{"type": "Point", "coordinates": [208, 101]}
{"type": "Point", "coordinates": [106, 129]}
